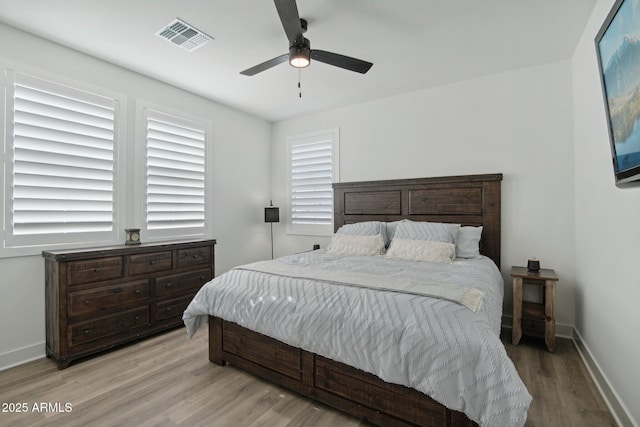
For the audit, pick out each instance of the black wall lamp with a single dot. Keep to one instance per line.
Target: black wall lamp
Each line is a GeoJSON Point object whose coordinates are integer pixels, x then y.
{"type": "Point", "coordinates": [271, 215]}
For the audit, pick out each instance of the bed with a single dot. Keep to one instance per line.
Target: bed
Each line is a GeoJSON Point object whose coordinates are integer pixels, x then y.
{"type": "Point", "coordinates": [422, 354]}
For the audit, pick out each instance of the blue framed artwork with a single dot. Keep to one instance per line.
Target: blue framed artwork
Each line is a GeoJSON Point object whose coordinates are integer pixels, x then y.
{"type": "Point", "coordinates": [618, 51]}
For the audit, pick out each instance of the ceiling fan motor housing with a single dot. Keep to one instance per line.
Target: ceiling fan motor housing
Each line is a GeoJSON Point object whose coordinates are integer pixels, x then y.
{"type": "Point", "coordinates": [300, 54]}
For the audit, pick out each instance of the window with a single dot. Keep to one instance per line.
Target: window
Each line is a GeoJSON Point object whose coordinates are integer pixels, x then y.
{"type": "Point", "coordinates": [60, 164]}
{"type": "Point", "coordinates": [175, 176]}
{"type": "Point", "coordinates": [313, 168]}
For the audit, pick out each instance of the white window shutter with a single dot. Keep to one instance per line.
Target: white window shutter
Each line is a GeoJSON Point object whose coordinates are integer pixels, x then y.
{"type": "Point", "coordinates": [313, 169]}
{"type": "Point", "coordinates": [175, 176]}
{"type": "Point", "coordinates": [63, 164]}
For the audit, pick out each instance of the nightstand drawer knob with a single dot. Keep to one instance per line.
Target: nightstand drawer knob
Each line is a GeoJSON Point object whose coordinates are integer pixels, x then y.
{"type": "Point", "coordinates": [87, 302]}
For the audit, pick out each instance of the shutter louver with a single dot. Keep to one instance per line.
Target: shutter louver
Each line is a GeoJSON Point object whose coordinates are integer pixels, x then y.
{"type": "Point", "coordinates": [175, 186]}
{"type": "Point", "coordinates": [63, 160]}
{"type": "Point", "coordinates": [311, 183]}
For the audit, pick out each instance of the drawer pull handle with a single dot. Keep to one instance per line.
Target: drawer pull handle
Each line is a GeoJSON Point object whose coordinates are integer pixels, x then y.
{"type": "Point", "coordinates": [152, 262]}
{"type": "Point", "coordinates": [168, 285]}
{"type": "Point", "coordinates": [137, 317]}
{"type": "Point", "coordinates": [96, 270]}
{"type": "Point", "coordinates": [168, 309]}
{"type": "Point", "coordinates": [137, 291]}
{"type": "Point", "coordinates": [87, 302]}
{"type": "Point", "coordinates": [196, 256]}
{"type": "Point", "coordinates": [201, 277]}
{"type": "Point", "coordinates": [86, 331]}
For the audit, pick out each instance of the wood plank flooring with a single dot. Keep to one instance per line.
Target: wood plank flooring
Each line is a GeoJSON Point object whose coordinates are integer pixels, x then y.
{"type": "Point", "coordinates": [168, 380]}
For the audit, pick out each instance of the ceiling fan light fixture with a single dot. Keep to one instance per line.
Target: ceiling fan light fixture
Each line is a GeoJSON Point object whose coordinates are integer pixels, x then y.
{"type": "Point", "coordinates": [300, 56]}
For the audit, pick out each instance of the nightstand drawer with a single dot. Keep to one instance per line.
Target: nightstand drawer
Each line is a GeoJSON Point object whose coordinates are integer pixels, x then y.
{"type": "Point", "coordinates": [194, 256]}
{"type": "Point", "coordinates": [119, 323]}
{"type": "Point", "coordinates": [106, 298]}
{"type": "Point", "coordinates": [149, 263]}
{"type": "Point", "coordinates": [533, 327]}
{"type": "Point", "coordinates": [182, 282]}
{"type": "Point", "coordinates": [94, 270]}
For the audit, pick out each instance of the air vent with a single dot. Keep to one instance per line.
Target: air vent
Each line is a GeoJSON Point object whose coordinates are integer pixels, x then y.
{"type": "Point", "coordinates": [184, 35]}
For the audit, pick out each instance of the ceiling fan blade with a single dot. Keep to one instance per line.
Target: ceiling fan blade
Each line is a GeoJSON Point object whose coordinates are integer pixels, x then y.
{"type": "Point", "coordinates": [290, 18]}
{"type": "Point", "coordinates": [346, 62]}
{"type": "Point", "coordinates": [265, 65]}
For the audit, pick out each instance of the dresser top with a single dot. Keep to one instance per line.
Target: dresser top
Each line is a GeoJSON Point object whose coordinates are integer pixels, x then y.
{"type": "Point", "coordinates": [82, 253]}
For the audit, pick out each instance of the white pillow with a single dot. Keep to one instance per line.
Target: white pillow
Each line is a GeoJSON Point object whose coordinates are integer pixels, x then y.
{"type": "Point", "coordinates": [433, 231]}
{"type": "Point", "coordinates": [366, 228]}
{"type": "Point", "coordinates": [421, 250]}
{"type": "Point", "coordinates": [348, 244]}
{"type": "Point", "coordinates": [468, 242]}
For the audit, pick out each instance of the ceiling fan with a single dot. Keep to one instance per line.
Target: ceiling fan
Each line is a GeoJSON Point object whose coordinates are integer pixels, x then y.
{"type": "Point", "coordinates": [300, 52]}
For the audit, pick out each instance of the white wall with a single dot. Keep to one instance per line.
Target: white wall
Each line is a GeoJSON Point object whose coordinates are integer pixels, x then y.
{"type": "Point", "coordinates": [241, 143]}
{"type": "Point", "coordinates": [607, 236]}
{"type": "Point", "coordinates": [517, 123]}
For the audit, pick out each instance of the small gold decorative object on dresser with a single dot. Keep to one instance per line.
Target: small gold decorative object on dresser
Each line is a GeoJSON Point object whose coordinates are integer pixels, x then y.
{"type": "Point", "coordinates": [101, 297]}
{"type": "Point", "coordinates": [531, 318]}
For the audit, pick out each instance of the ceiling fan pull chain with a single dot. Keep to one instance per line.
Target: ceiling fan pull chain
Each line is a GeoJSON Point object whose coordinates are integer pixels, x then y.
{"type": "Point", "coordinates": [299, 84]}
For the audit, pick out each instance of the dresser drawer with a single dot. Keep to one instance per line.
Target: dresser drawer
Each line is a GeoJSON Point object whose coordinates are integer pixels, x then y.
{"type": "Point", "coordinates": [118, 323]}
{"type": "Point", "coordinates": [94, 270]}
{"type": "Point", "coordinates": [182, 282]}
{"type": "Point", "coordinates": [149, 263]}
{"type": "Point", "coordinates": [194, 256]}
{"type": "Point", "coordinates": [172, 309]}
{"type": "Point", "coordinates": [106, 298]}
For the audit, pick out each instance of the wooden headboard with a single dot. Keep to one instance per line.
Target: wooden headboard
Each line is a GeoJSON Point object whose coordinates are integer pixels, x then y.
{"type": "Point", "coordinates": [467, 200]}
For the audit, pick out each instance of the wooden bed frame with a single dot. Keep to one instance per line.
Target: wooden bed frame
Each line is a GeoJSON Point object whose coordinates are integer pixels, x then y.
{"type": "Point", "coordinates": [467, 200]}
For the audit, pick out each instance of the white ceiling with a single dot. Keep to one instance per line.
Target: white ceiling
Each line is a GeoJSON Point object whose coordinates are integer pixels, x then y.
{"type": "Point", "coordinates": [414, 44]}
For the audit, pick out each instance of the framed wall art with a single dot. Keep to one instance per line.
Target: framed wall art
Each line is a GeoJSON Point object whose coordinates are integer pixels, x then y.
{"type": "Point", "coordinates": [618, 51]}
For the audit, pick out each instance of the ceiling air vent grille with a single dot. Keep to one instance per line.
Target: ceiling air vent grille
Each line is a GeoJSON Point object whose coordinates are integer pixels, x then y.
{"type": "Point", "coordinates": [184, 35]}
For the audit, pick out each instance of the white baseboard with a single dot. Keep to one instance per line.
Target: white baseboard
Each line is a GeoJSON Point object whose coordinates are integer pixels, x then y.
{"type": "Point", "coordinates": [617, 408]}
{"type": "Point", "coordinates": [22, 355]}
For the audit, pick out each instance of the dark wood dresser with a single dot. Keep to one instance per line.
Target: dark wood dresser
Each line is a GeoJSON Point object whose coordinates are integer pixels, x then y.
{"type": "Point", "coordinates": [101, 297]}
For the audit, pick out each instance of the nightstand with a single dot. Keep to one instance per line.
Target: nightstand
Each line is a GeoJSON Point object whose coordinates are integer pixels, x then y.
{"type": "Point", "coordinates": [530, 318]}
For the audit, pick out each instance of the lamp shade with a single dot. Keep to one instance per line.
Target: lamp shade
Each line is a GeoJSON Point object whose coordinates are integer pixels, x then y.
{"type": "Point", "coordinates": [271, 214]}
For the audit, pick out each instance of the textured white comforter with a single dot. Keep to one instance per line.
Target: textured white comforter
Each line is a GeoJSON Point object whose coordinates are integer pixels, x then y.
{"type": "Point", "coordinates": [436, 346]}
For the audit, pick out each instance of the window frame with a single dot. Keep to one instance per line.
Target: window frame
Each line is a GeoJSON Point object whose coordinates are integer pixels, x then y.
{"type": "Point", "coordinates": [12, 245]}
{"type": "Point", "coordinates": [140, 175]}
{"type": "Point", "coordinates": [333, 135]}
